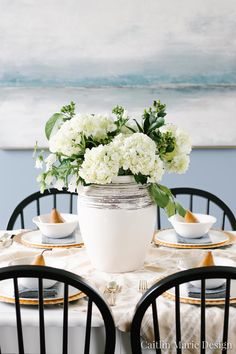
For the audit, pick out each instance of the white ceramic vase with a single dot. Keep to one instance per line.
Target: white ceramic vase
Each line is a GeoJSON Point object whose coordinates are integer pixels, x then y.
{"type": "Point", "coordinates": [117, 222]}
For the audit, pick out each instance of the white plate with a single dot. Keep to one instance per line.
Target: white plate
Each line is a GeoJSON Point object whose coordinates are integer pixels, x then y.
{"type": "Point", "coordinates": [169, 237]}
{"type": "Point", "coordinates": [35, 239]}
{"type": "Point", "coordinates": [7, 294]}
{"type": "Point", "coordinates": [220, 300]}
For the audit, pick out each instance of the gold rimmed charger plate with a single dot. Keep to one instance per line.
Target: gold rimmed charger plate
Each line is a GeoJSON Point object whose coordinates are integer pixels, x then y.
{"type": "Point", "coordinates": [34, 239]}
{"type": "Point", "coordinates": [6, 289]}
{"type": "Point", "coordinates": [167, 238]}
{"type": "Point", "coordinates": [184, 298]}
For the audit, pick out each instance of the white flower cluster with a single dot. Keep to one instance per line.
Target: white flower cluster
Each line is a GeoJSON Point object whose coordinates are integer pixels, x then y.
{"type": "Point", "coordinates": [136, 152]}
{"type": "Point", "coordinates": [178, 160]}
{"type": "Point", "coordinates": [96, 126]}
{"type": "Point", "coordinates": [67, 139]}
{"type": "Point", "coordinates": [100, 165]}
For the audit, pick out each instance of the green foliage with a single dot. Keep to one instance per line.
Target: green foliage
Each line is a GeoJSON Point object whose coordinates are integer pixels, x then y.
{"type": "Point", "coordinates": [153, 117]}
{"type": "Point", "coordinates": [67, 112]}
{"type": "Point", "coordinates": [163, 197]}
{"type": "Point", "coordinates": [160, 197]}
{"type": "Point", "coordinates": [55, 118]}
{"type": "Point", "coordinates": [139, 178]}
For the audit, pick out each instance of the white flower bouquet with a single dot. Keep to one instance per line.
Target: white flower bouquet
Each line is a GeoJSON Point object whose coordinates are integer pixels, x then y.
{"type": "Point", "coordinates": [93, 149]}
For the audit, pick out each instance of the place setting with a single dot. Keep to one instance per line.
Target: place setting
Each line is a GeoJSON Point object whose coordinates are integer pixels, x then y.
{"type": "Point", "coordinates": [192, 231]}
{"type": "Point", "coordinates": [215, 289]}
{"type": "Point", "coordinates": [55, 230]}
{"type": "Point", "coordinates": [53, 291]}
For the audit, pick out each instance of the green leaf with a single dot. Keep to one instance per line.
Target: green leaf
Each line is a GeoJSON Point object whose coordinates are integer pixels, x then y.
{"type": "Point", "coordinates": [157, 124]}
{"type": "Point", "coordinates": [139, 178]}
{"type": "Point", "coordinates": [170, 208]}
{"type": "Point", "coordinates": [165, 190]}
{"type": "Point", "coordinates": [159, 196]}
{"type": "Point", "coordinates": [51, 123]}
{"type": "Point", "coordinates": [132, 130]}
{"type": "Point", "coordinates": [139, 126]}
{"type": "Point", "coordinates": [146, 123]}
{"type": "Point", "coordinates": [181, 211]}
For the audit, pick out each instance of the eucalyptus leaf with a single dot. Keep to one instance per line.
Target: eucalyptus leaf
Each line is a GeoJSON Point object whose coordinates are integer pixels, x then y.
{"type": "Point", "coordinates": [51, 123]}
{"type": "Point", "coordinates": [159, 196]}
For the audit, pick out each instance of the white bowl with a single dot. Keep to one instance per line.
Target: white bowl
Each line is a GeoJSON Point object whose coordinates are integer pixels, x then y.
{"type": "Point", "coordinates": [59, 230]}
{"type": "Point", "coordinates": [193, 262]}
{"type": "Point", "coordinates": [32, 283]}
{"type": "Point", "coordinates": [192, 230]}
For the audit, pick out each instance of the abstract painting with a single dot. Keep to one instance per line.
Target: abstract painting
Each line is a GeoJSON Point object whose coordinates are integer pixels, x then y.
{"type": "Point", "coordinates": [104, 53]}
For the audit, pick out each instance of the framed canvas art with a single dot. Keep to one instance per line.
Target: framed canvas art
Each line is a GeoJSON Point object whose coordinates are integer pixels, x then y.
{"type": "Point", "coordinates": [103, 53]}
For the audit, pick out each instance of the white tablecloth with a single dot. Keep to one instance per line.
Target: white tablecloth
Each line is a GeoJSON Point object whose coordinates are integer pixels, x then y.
{"type": "Point", "coordinates": [160, 261]}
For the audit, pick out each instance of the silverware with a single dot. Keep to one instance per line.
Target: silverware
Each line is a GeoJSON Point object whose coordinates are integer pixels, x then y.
{"type": "Point", "coordinates": [112, 289]}
{"type": "Point", "coordinates": [6, 240]}
{"type": "Point", "coordinates": [143, 286]}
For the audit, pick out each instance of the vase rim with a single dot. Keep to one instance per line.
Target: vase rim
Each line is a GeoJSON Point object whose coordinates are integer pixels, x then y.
{"type": "Point", "coordinates": [123, 179]}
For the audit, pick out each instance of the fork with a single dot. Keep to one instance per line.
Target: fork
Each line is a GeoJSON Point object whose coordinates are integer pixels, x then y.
{"type": "Point", "coordinates": [143, 286]}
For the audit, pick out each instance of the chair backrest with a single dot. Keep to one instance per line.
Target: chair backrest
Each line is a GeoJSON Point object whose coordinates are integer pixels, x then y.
{"type": "Point", "coordinates": [211, 200]}
{"type": "Point", "coordinates": [35, 198]}
{"type": "Point", "coordinates": [67, 279]}
{"type": "Point", "coordinates": [174, 281]}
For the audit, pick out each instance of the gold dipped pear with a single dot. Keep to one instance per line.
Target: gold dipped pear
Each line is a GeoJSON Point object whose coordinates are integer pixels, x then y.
{"type": "Point", "coordinates": [55, 217]}
{"type": "Point", "coordinates": [190, 217]}
{"type": "Point", "coordinates": [207, 261]}
{"type": "Point", "coordinates": [39, 260]}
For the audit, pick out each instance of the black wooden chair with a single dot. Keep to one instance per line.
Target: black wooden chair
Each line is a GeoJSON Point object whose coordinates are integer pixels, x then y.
{"type": "Point", "coordinates": [35, 198]}
{"type": "Point", "coordinates": [68, 279]}
{"type": "Point", "coordinates": [210, 198]}
{"type": "Point", "coordinates": [174, 281]}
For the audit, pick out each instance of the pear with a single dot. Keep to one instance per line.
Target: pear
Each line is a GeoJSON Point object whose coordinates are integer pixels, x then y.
{"type": "Point", "coordinates": [39, 260]}
{"type": "Point", "coordinates": [55, 217]}
{"type": "Point", "coordinates": [189, 217]}
{"type": "Point", "coordinates": [207, 261]}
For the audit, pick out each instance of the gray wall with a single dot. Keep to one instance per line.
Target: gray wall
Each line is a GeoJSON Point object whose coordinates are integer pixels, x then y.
{"type": "Point", "coordinates": [213, 170]}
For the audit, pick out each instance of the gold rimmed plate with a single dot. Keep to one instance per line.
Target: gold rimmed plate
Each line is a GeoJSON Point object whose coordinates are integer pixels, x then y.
{"type": "Point", "coordinates": [7, 291]}
{"type": "Point", "coordinates": [169, 238]}
{"type": "Point", "coordinates": [184, 289]}
{"type": "Point", "coordinates": [186, 299]}
{"type": "Point", "coordinates": [37, 240]}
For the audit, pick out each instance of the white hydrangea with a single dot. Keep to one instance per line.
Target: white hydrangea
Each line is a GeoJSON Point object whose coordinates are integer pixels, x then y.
{"type": "Point", "coordinates": [157, 171]}
{"type": "Point", "coordinates": [183, 141]}
{"type": "Point", "coordinates": [66, 140]}
{"type": "Point", "coordinates": [101, 165]}
{"type": "Point", "coordinates": [179, 164]}
{"type": "Point", "coordinates": [96, 125]}
{"type": "Point", "coordinates": [178, 160]}
{"type": "Point", "coordinates": [138, 154]}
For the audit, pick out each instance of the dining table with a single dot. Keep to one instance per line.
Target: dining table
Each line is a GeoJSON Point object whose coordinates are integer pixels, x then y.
{"type": "Point", "coordinates": [160, 262]}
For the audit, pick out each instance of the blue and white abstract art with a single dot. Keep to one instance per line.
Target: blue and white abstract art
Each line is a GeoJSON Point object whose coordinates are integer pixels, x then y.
{"type": "Point", "coordinates": [129, 52]}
